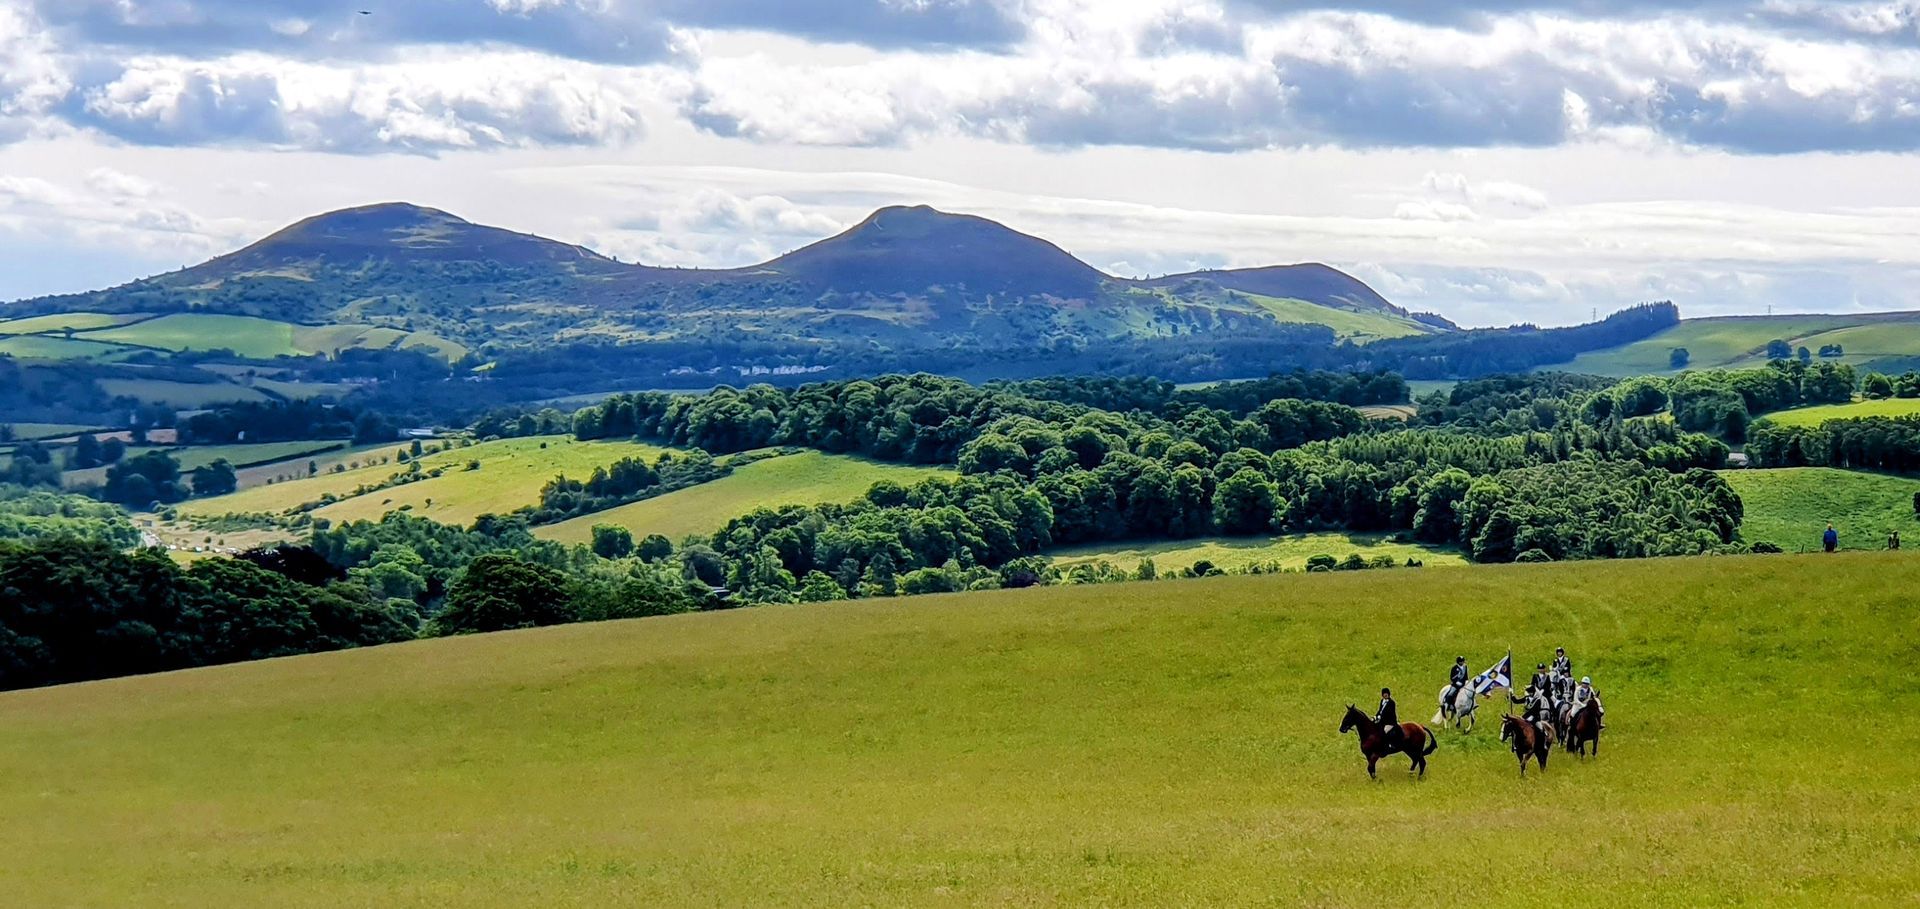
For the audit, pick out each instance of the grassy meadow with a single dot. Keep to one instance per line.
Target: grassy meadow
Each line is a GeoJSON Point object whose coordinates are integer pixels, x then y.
{"type": "Point", "coordinates": [179, 394]}
{"type": "Point", "coordinates": [807, 478]}
{"type": "Point", "coordinates": [1153, 744]}
{"type": "Point", "coordinates": [240, 455]}
{"type": "Point", "coordinates": [1359, 327]}
{"type": "Point", "coordinates": [1821, 413]}
{"type": "Point", "coordinates": [510, 476]}
{"type": "Point", "coordinates": [1235, 553]}
{"type": "Point", "coordinates": [1741, 341]}
{"type": "Point", "coordinates": [62, 322]}
{"type": "Point", "coordinates": [1790, 506]}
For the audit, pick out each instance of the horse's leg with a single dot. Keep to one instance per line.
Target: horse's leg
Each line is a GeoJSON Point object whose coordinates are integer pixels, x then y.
{"type": "Point", "coordinates": [1371, 760]}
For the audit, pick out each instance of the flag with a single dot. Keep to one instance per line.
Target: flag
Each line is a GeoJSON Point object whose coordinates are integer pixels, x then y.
{"type": "Point", "coordinates": [1499, 675]}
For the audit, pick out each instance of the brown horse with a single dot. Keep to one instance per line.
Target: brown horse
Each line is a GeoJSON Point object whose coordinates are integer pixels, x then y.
{"type": "Point", "coordinates": [1528, 741]}
{"type": "Point", "coordinates": [1415, 741]}
{"type": "Point", "coordinates": [1584, 728]}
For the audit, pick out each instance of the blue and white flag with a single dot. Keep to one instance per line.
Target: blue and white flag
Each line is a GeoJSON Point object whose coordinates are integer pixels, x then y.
{"type": "Point", "coordinates": [1499, 675]}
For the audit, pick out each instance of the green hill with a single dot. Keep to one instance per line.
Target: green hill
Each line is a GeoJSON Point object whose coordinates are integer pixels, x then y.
{"type": "Point", "coordinates": [1888, 341]}
{"type": "Point", "coordinates": [398, 275]}
{"type": "Point", "coordinates": [1144, 744]}
{"type": "Point", "coordinates": [806, 478]}
{"type": "Point", "coordinates": [1238, 553]}
{"type": "Point", "coordinates": [1791, 506]}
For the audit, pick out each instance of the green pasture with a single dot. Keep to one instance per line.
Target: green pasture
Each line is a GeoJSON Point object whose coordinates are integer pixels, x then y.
{"type": "Point", "coordinates": [1155, 744]}
{"type": "Point", "coordinates": [239, 455]}
{"type": "Point", "coordinates": [1741, 341]}
{"type": "Point", "coordinates": [61, 322]}
{"type": "Point", "coordinates": [1820, 413]}
{"type": "Point", "coordinates": [807, 478]}
{"type": "Point", "coordinates": [1356, 326]}
{"type": "Point", "coordinates": [53, 347]}
{"type": "Point", "coordinates": [179, 394]}
{"type": "Point", "coordinates": [1791, 506]}
{"type": "Point", "coordinates": [1237, 553]}
{"type": "Point", "coordinates": [245, 335]}
{"type": "Point", "coordinates": [510, 475]}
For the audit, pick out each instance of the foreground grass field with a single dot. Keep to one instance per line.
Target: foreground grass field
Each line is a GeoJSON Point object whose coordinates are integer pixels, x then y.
{"type": "Point", "coordinates": [1227, 554]}
{"type": "Point", "coordinates": [807, 478]}
{"type": "Point", "coordinates": [1144, 744]}
{"type": "Point", "coordinates": [1790, 506]}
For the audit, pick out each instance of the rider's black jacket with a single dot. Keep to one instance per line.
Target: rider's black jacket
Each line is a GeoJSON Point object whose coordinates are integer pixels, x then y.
{"type": "Point", "coordinates": [1458, 678]}
{"type": "Point", "coordinates": [1388, 714]}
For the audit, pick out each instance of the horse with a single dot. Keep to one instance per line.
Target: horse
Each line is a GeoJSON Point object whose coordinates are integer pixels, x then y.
{"type": "Point", "coordinates": [1584, 729]}
{"type": "Point", "coordinates": [1415, 741]}
{"type": "Point", "coordinates": [1528, 741]}
{"type": "Point", "coordinates": [1462, 710]}
{"type": "Point", "coordinates": [1562, 720]}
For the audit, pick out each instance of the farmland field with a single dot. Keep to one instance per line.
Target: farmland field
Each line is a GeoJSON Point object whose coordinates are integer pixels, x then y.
{"type": "Point", "coordinates": [1818, 414]}
{"type": "Point", "coordinates": [202, 455]}
{"type": "Point", "coordinates": [511, 474]}
{"type": "Point", "coordinates": [1235, 553]}
{"type": "Point", "coordinates": [808, 478]}
{"type": "Point", "coordinates": [244, 335]}
{"type": "Point", "coordinates": [78, 321]}
{"type": "Point", "coordinates": [25, 431]}
{"type": "Point", "coordinates": [49, 347]}
{"type": "Point", "coordinates": [1141, 744]}
{"type": "Point", "coordinates": [1357, 326]}
{"type": "Point", "coordinates": [1790, 506]}
{"type": "Point", "coordinates": [180, 394]}
{"type": "Point", "coordinates": [1740, 341]}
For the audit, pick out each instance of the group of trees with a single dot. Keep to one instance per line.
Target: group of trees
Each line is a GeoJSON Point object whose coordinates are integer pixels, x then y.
{"type": "Point", "coordinates": [30, 514]}
{"type": "Point", "coordinates": [79, 609]}
{"type": "Point", "coordinates": [623, 481]}
{"type": "Point", "coordinates": [1869, 443]}
{"type": "Point", "coordinates": [155, 476]}
{"type": "Point", "coordinates": [1156, 396]}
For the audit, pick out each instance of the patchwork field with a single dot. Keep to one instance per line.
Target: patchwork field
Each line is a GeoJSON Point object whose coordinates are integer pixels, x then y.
{"type": "Point", "coordinates": [1818, 414]}
{"type": "Point", "coordinates": [201, 455]}
{"type": "Point", "coordinates": [26, 431]}
{"type": "Point", "coordinates": [1236, 553]}
{"type": "Point", "coordinates": [1125, 745]}
{"type": "Point", "coordinates": [510, 476]}
{"type": "Point", "coordinates": [1790, 506]}
{"type": "Point", "coordinates": [807, 478]}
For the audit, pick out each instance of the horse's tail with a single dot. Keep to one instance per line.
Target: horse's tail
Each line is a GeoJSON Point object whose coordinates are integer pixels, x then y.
{"type": "Point", "coordinates": [1433, 742]}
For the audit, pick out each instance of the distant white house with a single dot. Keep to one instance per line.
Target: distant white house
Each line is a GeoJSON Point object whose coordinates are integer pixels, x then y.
{"type": "Point", "coordinates": [419, 432]}
{"type": "Point", "coordinates": [1737, 459]}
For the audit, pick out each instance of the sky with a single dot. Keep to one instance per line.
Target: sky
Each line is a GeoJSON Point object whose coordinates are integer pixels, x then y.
{"type": "Point", "coordinates": [1496, 161]}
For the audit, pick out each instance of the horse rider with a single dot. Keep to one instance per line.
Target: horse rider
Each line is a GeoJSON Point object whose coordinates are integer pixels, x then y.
{"type": "Point", "coordinates": [1562, 665]}
{"type": "Point", "coordinates": [1539, 709]}
{"type": "Point", "coordinates": [1586, 692]}
{"type": "Point", "coordinates": [1542, 680]}
{"type": "Point", "coordinates": [1456, 680]}
{"type": "Point", "coordinates": [1388, 716]}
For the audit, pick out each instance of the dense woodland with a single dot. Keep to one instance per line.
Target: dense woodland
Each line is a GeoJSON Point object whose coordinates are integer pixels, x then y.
{"type": "Point", "coordinates": [1510, 468]}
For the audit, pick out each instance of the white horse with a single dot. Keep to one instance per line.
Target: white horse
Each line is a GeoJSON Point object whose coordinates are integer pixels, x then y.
{"type": "Point", "coordinates": [1461, 711]}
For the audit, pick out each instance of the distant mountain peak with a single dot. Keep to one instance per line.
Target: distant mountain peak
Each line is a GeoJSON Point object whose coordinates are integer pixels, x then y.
{"type": "Point", "coordinates": [401, 231]}
{"type": "Point", "coordinates": [908, 249]}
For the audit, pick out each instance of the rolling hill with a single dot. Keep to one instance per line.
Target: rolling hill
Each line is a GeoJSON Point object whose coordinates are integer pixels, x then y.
{"type": "Point", "coordinates": [1875, 341]}
{"type": "Point", "coordinates": [903, 278]}
{"type": "Point", "coordinates": [1149, 744]}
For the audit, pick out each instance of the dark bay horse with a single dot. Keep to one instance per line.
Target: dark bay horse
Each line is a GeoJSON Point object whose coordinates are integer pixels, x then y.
{"type": "Point", "coordinates": [1415, 741]}
{"type": "Point", "coordinates": [1584, 729]}
{"type": "Point", "coordinates": [1528, 741]}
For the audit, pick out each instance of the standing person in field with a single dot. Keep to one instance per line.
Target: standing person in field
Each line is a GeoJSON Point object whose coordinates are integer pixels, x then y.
{"type": "Point", "coordinates": [1830, 539]}
{"type": "Point", "coordinates": [1893, 539]}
